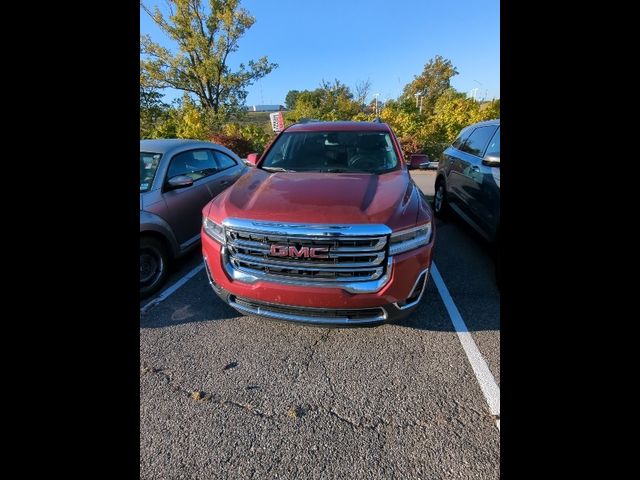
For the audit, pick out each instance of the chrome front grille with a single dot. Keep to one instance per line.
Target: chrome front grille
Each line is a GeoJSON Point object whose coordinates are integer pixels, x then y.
{"type": "Point", "coordinates": [350, 256]}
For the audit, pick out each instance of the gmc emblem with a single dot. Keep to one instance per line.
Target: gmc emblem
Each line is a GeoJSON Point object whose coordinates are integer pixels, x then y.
{"type": "Point", "coordinates": [291, 251]}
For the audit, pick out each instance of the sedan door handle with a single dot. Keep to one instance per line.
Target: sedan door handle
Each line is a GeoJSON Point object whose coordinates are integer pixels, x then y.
{"type": "Point", "coordinates": [475, 169]}
{"type": "Point", "coordinates": [225, 182]}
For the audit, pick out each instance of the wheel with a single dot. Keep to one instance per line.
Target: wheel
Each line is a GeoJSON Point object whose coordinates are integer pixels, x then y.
{"type": "Point", "coordinates": [440, 199]}
{"type": "Point", "coordinates": [153, 265]}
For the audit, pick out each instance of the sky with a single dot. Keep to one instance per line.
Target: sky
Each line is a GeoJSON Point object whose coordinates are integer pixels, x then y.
{"type": "Point", "coordinates": [386, 42]}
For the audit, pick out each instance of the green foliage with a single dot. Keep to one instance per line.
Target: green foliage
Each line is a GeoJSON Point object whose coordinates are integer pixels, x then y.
{"type": "Point", "coordinates": [256, 136]}
{"type": "Point", "coordinates": [444, 112]}
{"type": "Point", "coordinates": [184, 119]}
{"type": "Point", "coordinates": [434, 80]}
{"type": "Point", "coordinates": [205, 38]}
{"type": "Point", "coordinates": [153, 110]}
{"type": "Point", "coordinates": [331, 101]}
{"type": "Point", "coordinates": [490, 110]}
{"type": "Point", "coordinates": [290, 99]}
{"type": "Point", "coordinates": [453, 111]}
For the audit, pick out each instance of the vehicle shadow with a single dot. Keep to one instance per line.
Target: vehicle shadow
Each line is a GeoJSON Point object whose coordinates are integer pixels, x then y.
{"type": "Point", "coordinates": [465, 262]}
{"type": "Point", "coordinates": [193, 303]}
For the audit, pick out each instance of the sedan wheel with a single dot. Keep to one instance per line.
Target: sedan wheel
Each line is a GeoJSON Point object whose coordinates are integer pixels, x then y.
{"type": "Point", "coordinates": [153, 265]}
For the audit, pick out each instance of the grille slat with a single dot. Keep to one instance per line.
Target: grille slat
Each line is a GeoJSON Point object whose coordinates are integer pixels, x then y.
{"type": "Point", "coordinates": [348, 258]}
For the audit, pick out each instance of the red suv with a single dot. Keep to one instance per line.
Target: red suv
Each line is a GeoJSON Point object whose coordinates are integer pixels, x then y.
{"type": "Point", "coordinates": [328, 228]}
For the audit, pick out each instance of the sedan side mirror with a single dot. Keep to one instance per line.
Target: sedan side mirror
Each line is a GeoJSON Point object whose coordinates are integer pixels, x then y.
{"type": "Point", "coordinates": [252, 158]}
{"type": "Point", "coordinates": [491, 160]}
{"type": "Point", "coordinates": [180, 181]}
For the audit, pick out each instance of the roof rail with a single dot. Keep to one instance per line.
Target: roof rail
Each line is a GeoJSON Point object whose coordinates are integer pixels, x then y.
{"type": "Point", "coordinates": [308, 120]}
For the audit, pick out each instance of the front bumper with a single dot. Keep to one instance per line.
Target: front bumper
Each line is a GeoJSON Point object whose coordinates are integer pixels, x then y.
{"type": "Point", "coordinates": [395, 297]}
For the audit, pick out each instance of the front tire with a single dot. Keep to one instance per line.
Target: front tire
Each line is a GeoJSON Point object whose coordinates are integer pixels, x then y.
{"type": "Point", "coordinates": [440, 199]}
{"type": "Point", "coordinates": [154, 261]}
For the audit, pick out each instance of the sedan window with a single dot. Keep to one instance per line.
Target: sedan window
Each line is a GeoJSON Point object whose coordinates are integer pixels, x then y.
{"type": "Point", "coordinates": [195, 164]}
{"type": "Point", "coordinates": [148, 166]}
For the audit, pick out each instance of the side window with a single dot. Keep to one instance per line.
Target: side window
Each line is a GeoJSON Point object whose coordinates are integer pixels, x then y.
{"type": "Point", "coordinates": [223, 160]}
{"type": "Point", "coordinates": [494, 146]}
{"type": "Point", "coordinates": [478, 140]}
{"type": "Point", "coordinates": [464, 134]}
{"type": "Point", "coordinates": [196, 164]}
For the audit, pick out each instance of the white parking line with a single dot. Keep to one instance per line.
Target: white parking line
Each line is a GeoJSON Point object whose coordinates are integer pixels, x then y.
{"type": "Point", "coordinates": [168, 291]}
{"type": "Point", "coordinates": [488, 384]}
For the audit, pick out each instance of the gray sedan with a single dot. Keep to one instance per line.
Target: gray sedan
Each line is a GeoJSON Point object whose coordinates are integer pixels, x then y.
{"type": "Point", "coordinates": [177, 179]}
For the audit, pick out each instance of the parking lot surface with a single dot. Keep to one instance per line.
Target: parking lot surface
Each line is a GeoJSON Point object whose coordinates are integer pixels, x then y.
{"type": "Point", "coordinates": [230, 396]}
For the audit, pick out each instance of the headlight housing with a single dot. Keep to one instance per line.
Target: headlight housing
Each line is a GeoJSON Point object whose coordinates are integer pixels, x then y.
{"type": "Point", "coordinates": [214, 230]}
{"type": "Point", "coordinates": [411, 238]}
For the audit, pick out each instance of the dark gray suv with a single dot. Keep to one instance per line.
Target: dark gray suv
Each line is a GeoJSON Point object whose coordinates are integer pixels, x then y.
{"type": "Point", "coordinates": [468, 179]}
{"type": "Point", "coordinates": [177, 179]}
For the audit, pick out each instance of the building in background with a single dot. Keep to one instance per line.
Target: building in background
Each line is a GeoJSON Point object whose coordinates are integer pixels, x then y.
{"type": "Point", "coordinates": [265, 108]}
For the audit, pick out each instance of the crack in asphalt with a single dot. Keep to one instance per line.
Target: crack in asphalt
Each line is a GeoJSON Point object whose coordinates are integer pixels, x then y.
{"type": "Point", "coordinates": [206, 397]}
{"type": "Point", "coordinates": [302, 410]}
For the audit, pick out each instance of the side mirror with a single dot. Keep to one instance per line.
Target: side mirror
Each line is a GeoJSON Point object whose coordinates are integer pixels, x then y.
{"type": "Point", "coordinates": [180, 181]}
{"type": "Point", "coordinates": [491, 160]}
{"type": "Point", "coordinates": [252, 158]}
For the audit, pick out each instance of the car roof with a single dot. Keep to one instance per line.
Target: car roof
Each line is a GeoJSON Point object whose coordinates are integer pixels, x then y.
{"type": "Point", "coordinates": [495, 121]}
{"type": "Point", "coordinates": [168, 145]}
{"type": "Point", "coordinates": [317, 126]}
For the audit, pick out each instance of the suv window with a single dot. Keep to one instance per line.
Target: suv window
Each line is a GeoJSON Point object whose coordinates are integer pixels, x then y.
{"type": "Point", "coordinates": [196, 164]}
{"type": "Point", "coordinates": [223, 160]}
{"type": "Point", "coordinates": [464, 134]}
{"type": "Point", "coordinates": [478, 140]}
{"type": "Point", "coordinates": [494, 146]}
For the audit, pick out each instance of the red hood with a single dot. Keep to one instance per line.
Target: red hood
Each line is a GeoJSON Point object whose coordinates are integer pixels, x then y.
{"type": "Point", "coordinates": [311, 197]}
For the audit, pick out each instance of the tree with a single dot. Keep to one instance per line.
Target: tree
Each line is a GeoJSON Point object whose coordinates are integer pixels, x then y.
{"type": "Point", "coordinates": [454, 111]}
{"type": "Point", "coordinates": [490, 110]}
{"type": "Point", "coordinates": [331, 101]}
{"type": "Point", "coordinates": [362, 91]}
{"type": "Point", "coordinates": [434, 80]}
{"type": "Point", "coordinates": [205, 38]}
{"type": "Point", "coordinates": [290, 99]}
{"type": "Point", "coordinates": [152, 110]}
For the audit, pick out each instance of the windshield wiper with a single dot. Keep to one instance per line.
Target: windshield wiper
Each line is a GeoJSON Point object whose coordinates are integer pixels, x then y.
{"type": "Point", "coordinates": [276, 169]}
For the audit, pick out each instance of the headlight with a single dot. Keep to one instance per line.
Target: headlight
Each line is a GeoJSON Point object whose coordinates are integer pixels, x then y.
{"type": "Point", "coordinates": [214, 230]}
{"type": "Point", "coordinates": [406, 240]}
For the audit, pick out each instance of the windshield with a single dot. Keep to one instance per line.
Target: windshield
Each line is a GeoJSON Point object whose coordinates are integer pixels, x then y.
{"type": "Point", "coordinates": [337, 152]}
{"type": "Point", "coordinates": [148, 166]}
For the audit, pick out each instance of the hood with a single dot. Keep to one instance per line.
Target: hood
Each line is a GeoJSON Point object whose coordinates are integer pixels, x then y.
{"type": "Point", "coordinates": [313, 197]}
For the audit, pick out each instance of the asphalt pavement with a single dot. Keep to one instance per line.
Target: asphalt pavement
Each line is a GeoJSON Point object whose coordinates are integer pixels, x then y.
{"type": "Point", "coordinates": [230, 396]}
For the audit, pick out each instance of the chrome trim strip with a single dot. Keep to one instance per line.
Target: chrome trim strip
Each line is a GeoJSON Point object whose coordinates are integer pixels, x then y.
{"type": "Point", "coordinates": [366, 286]}
{"type": "Point", "coordinates": [311, 230]}
{"type": "Point", "coordinates": [424, 285]}
{"type": "Point", "coordinates": [320, 266]}
{"type": "Point", "coordinates": [249, 244]}
{"type": "Point", "coordinates": [264, 312]}
{"type": "Point", "coordinates": [376, 273]}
